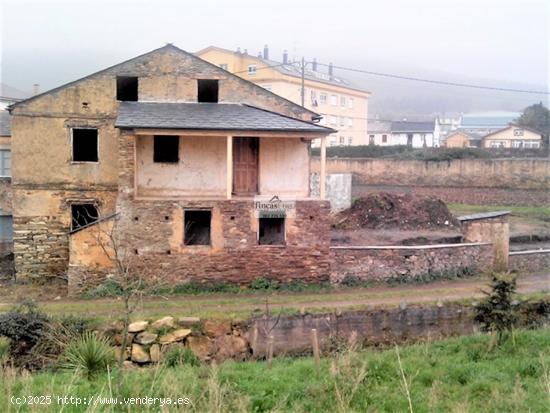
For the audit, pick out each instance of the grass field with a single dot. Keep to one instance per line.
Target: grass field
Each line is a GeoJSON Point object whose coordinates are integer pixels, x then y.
{"type": "Point", "coordinates": [455, 375]}
{"type": "Point", "coordinates": [538, 213]}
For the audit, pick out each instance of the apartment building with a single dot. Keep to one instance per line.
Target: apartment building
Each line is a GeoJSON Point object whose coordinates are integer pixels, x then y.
{"type": "Point", "coordinates": [342, 105]}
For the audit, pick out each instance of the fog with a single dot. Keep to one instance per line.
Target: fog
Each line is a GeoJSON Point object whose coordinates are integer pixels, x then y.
{"type": "Point", "coordinates": [486, 42]}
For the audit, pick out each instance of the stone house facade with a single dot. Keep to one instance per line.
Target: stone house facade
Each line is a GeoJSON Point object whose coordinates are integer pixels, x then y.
{"type": "Point", "coordinates": [181, 156]}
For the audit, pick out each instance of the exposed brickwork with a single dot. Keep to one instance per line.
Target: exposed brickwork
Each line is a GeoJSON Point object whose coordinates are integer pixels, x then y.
{"type": "Point", "coordinates": [390, 263]}
{"type": "Point", "coordinates": [305, 255]}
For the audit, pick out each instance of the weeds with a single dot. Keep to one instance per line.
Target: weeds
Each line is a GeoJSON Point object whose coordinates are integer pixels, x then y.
{"type": "Point", "coordinates": [178, 355]}
{"type": "Point", "coordinates": [90, 355]}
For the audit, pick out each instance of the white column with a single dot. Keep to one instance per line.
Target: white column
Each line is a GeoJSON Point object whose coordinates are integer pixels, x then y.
{"type": "Point", "coordinates": [323, 174]}
{"type": "Point", "coordinates": [229, 187]}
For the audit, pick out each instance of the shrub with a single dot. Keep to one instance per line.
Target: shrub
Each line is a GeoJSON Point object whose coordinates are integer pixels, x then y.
{"type": "Point", "coordinates": [264, 284]}
{"type": "Point", "coordinates": [55, 339]}
{"type": "Point", "coordinates": [497, 312]}
{"type": "Point", "coordinates": [178, 355]}
{"type": "Point", "coordinates": [109, 288]}
{"type": "Point", "coordinates": [89, 354]}
{"type": "Point", "coordinates": [23, 325]}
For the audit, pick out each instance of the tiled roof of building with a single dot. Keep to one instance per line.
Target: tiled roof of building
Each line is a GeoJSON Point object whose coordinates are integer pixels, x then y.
{"type": "Point", "coordinates": [405, 127]}
{"type": "Point", "coordinates": [208, 116]}
{"type": "Point", "coordinates": [495, 120]}
{"type": "Point", "coordinates": [5, 123]}
{"type": "Point", "coordinates": [382, 126]}
{"type": "Point", "coordinates": [295, 70]}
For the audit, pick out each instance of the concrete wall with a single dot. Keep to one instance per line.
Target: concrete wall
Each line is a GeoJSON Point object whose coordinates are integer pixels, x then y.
{"type": "Point", "coordinates": [338, 190]}
{"type": "Point", "coordinates": [404, 262]}
{"type": "Point", "coordinates": [292, 334]}
{"type": "Point", "coordinates": [531, 174]}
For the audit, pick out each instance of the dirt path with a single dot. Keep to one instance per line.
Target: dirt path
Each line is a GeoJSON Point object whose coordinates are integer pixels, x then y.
{"type": "Point", "coordinates": [245, 304]}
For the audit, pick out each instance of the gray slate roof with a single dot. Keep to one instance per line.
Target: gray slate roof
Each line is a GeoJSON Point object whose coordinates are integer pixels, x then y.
{"type": "Point", "coordinates": [208, 116]}
{"type": "Point", "coordinates": [5, 123]}
{"type": "Point", "coordinates": [404, 127]}
{"type": "Point", "coordinates": [380, 126]}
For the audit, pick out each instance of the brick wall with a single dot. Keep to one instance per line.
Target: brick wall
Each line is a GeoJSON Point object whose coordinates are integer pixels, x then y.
{"type": "Point", "coordinates": [384, 263]}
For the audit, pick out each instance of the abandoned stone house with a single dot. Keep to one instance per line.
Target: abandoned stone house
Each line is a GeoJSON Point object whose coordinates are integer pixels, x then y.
{"type": "Point", "coordinates": [177, 152]}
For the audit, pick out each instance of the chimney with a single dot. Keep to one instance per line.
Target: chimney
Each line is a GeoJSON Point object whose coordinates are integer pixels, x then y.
{"type": "Point", "coordinates": [260, 55]}
{"type": "Point", "coordinates": [238, 50]}
{"type": "Point", "coordinates": [314, 64]}
{"type": "Point", "coordinates": [266, 52]}
{"type": "Point", "coordinates": [35, 89]}
{"type": "Point", "coordinates": [330, 70]}
{"type": "Point", "coordinates": [245, 51]}
{"type": "Point", "coordinates": [285, 57]}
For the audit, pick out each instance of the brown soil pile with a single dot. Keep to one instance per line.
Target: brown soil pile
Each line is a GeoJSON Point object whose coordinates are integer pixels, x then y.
{"type": "Point", "coordinates": [404, 211]}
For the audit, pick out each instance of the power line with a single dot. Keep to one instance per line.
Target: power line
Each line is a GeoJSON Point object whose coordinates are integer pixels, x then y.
{"type": "Point", "coordinates": [437, 82]}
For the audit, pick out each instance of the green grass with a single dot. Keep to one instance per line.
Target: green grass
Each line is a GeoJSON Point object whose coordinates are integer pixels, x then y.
{"type": "Point", "coordinates": [454, 375]}
{"type": "Point", "coordinates": [538, 213]}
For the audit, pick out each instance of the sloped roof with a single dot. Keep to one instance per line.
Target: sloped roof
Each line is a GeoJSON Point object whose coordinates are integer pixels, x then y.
{"type": "Point", "coordinates": [487, 119]}
{"type": "Point", "coordinates": [168, 46]}
{"type": "Point", "coordinates": [208, 116]}
{"type": "Point", "coordinates": [290, 69]}
{"type": "Point", "coordinates": [5, 123]}
{"type": "Point", "coordinates": [469, 135]}
{"type": "Point", "coordinates": [405, 126]}
{"type": "Point", "coordinates": [513, 125]}
{"type": "Point", "coordinates": [378, 126]}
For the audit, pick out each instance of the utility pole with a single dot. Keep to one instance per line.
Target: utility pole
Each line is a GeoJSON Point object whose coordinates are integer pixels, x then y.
{"type": "Point", "coordinates": [303, 81]}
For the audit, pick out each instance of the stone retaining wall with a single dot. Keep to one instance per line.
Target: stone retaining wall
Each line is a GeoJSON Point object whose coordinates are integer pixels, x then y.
{"type": "Point", "coordinates": [530, 261]}
{"type": "Point", "coordinates": [382, 263]}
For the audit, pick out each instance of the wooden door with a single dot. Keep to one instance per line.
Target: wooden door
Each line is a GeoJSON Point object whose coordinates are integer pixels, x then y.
{"type": "Point", "coordinates": [245, 166]}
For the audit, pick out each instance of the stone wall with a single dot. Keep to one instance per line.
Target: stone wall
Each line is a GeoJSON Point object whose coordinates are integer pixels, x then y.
{"type": "Point", "coordinates": [531, 174]}
{"type": "Point", "coordinates": [45, 179]}
{"type": "Point", "coordinates": [529, 261]}
{"type": "Point", "coordinates": [382, 263]}
{"type": "Point", "coordinates": [42, 222]}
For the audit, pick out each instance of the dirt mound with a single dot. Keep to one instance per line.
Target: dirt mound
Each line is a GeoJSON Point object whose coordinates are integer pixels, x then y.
{"type": "Point", "coordinates": [403, 211]}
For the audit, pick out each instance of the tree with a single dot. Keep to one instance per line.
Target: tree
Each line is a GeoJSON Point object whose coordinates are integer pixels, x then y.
{"type": "Point", "coordinates": [537, 117]}
{"type": "Point", "coordinates": [497, 312]}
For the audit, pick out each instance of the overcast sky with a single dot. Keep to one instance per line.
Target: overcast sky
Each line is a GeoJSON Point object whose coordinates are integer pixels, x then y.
{"type": "Point", "coordinates": [499, 41]}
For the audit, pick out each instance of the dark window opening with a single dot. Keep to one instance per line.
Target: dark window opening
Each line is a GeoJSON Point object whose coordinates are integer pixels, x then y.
{"type": "Point", "coordinates": [207, 91]}
{"type": "Point", "coordinates": [127, 88]}
{"type": "Point", "coordinates": [197, 227]}
{"type": "Point", "coordinates": [83, 214]}
{"type": "Point", "coordinates": [272, 231]}
{"type": "Point", "coordinates": [166, 149]}
{"type": "Point", "coordinates": [85, 145]}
